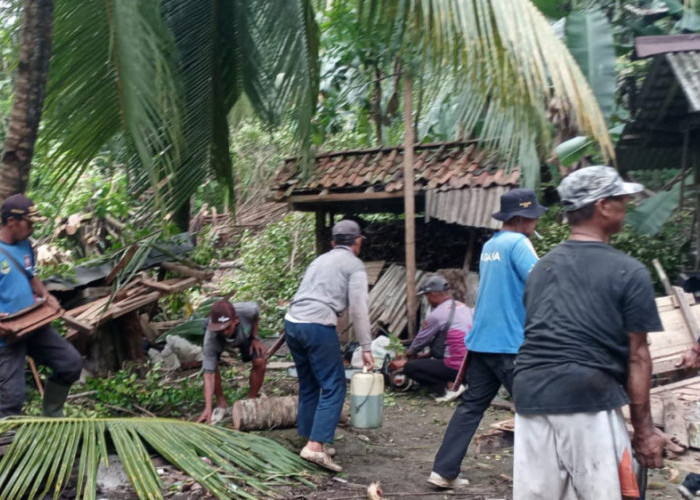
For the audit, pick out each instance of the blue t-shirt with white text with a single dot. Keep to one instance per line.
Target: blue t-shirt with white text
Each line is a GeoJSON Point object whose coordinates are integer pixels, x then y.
{"type": "Point", "coordinates": [499, 316]}
{"type": "Point", "coordinates": [15, 290]}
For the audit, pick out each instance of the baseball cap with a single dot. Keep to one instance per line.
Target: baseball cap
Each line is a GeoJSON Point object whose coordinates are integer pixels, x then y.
{"type": "Point", "coordinates": [20, 206]}
{"type": "Point", "coordinates": [221, 315]}
{"type": "Point", "coordinates": [346, 228]}
{"type": "Point", "coordinates": [586, 185]}
{"type": "Point", "coordinates": [434, 283]}
{"type": "Point", "coordinates": [519, 202]}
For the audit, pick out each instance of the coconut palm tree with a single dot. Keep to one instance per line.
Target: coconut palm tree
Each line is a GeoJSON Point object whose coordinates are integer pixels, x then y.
{"type": "Point", "coordinates": [30, 86]}
{"type": "Point", "coordinates": [160, 79]}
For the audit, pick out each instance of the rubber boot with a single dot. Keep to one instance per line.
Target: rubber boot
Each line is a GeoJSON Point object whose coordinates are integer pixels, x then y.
{"type": "Point", "coordinates": [55, 395]}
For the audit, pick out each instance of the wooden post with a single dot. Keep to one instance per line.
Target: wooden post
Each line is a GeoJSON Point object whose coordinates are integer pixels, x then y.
{"type": "Point", "coordinates": [320, 231]}
{"type": "Point", "coordinates": [409, 202]}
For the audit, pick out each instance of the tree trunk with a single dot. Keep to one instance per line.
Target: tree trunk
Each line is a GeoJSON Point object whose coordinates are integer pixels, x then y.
{"type": "Point", "coordinates": [30, 89]}
{"type": "Point", "coordinates": [265, 413]}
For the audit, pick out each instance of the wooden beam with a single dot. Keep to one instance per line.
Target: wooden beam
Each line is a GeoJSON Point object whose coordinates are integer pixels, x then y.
{"type": "Point", "coordinates": [187, 271]}
{"type": "Point", "coordinates": [381, 195]}
{"type": "Point", "coordinates": [409, 202]}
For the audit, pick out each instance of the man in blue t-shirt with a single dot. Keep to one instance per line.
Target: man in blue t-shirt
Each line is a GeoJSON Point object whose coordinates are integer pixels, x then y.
{"type": "Point", "coordinates": [19, 289]}
{"type": "Point", "coordinates": [497, 332]}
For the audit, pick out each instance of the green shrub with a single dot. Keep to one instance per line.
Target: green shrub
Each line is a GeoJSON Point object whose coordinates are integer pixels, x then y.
{"type": "Point", "coordinates": [272, 263]}
{"type": "Point", "coordinates": [668, 245]}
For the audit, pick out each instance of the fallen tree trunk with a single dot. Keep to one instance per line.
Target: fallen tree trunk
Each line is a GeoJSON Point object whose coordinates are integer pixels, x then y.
{"type": "Point", "coordinates": [265, 413]}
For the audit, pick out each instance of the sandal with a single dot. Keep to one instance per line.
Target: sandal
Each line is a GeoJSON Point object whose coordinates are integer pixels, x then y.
{"type": "Point", "coordinates": [320, 458]}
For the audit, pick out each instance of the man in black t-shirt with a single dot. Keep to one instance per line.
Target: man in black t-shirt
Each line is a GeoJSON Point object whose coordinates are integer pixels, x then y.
{"type": "Point", "coordinates": [585, 355]}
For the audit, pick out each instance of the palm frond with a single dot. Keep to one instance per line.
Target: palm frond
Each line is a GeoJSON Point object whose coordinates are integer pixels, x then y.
{"type": "Point", "coordinates": [506, 64]}
{"type": "Point", "coordinates": [111, 71]}
{"type": "Point", "coordinates": [43, 454]}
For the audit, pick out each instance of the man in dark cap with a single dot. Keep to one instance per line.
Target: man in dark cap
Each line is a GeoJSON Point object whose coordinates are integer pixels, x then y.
{"type": "Point", "coordinates": [333, 282]}
{"type": "Point", "coordinates": [443, 331]}
{"type": "Point", "coordinates": [231, 326]}
{"type": "Point", "coordinates": [497, 332]}
{"type": "Point", "coordinates": [585, 355]}
{"type": "Point", "coordinates": [19, 289]}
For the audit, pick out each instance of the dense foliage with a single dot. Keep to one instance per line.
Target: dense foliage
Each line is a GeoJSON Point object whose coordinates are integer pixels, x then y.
{"type": "Point", "coordinates": [669, 246]}
{"type": "Point", "coordinates": [272, 263]}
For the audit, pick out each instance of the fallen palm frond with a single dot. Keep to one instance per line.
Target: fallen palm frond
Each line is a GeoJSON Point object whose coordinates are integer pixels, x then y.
{"type": "Point", "coordinates": [42, 457]}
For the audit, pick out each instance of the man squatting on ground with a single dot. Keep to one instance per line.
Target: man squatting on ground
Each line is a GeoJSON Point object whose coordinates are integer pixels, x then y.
{"type": "Point", "coordinates": [505, 262]}
{"type": "Point", "coordinates": [585, 355]}
{"type": "Point", "coordinates": [333, 282]}
{"type": "Point", "coordinates": [19, 289]}
{"type": "Point", "coordinates": [231, 326]}
{"type": "Point", "coordinates": [443, 330]}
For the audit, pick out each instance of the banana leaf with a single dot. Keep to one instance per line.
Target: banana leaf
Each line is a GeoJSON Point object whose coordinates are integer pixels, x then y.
{"type": "Point", "coordinates": [652, 213]}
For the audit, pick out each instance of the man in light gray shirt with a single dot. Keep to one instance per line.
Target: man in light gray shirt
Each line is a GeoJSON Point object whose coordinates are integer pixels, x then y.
{"type": "Point", "coordinates": [333, 282]}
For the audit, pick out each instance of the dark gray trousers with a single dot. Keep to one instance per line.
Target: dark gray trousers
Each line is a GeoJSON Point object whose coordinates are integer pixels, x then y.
{"type": "Point", "coordinates": [485, 374]}
{"type": "Point", "coordinates": [47, 348]}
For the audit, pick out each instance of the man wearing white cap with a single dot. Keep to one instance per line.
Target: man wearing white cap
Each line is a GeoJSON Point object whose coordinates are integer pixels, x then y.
{"type": "Point", "coordinates": [585, 355]}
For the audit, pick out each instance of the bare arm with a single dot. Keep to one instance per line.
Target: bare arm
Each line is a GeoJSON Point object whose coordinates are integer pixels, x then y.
{"type": "Point", "coordinates": [256, 346]}
{"type": "Point", "coordinates": [647, 443]}
{"type": "Point", "coordinates": [212, 385]}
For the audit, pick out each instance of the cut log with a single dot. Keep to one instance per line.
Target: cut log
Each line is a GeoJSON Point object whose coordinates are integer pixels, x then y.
{"type": "Point", "coordinates": [674, 421]}
{"type": "Point", "coordinates": [265, 413]}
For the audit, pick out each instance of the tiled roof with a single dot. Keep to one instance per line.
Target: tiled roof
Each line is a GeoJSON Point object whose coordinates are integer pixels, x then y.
{"type": "Point", "coordinates": [442, 166]}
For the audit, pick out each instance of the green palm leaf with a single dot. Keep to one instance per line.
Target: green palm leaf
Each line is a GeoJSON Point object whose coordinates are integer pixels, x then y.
{"type": "Point", "coordinates": [111, 73]}
{"type": "Point", "coordinates": [507, 66]}
{"type": "Point", "coordinates": [43, 454]}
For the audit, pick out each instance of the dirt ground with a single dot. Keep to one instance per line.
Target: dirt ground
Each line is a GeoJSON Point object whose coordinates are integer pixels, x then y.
{"type": "Point", "coordinates": [400, 455]}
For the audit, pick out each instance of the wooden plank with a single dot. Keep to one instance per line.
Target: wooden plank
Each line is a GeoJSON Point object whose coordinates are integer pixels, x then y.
{"type": "Point", "coordinates": [187, 270]}
{"type": "Point", "coordinates": [689, 382]}
{"type": "Point", "coordinates": [374, 269]}
{"type": "Point", "coordinates": [675, 424]}
{"type": "Point", "coordinates": [380, 195]}
{"type": "Point", "coordinates": [77, 324]}
{"type": "Point", "coordinates": [117, 310]}
{"type": "Point", "coordinates": [688, 317]}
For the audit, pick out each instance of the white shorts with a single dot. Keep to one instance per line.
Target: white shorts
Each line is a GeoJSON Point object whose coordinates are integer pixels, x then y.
{"type": "Point", "coordinates": [573, 456]}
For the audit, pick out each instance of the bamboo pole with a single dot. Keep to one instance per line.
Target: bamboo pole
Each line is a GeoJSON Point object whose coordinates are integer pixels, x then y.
{"type": "Point", "coordinates": [409, 202]}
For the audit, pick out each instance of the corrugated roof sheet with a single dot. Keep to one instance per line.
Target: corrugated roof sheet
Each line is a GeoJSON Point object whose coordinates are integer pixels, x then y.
{"type": "Point", "coordinates": [467, 207]}
{"type": "Point", "coordinates": [671, 93]}
{"type": "Point", "coordinates": [442, 166]}
{"type": "Point", "coordinates": [686, 67]}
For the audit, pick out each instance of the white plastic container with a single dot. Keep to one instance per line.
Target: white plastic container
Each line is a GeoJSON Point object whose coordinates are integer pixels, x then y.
{"type": "Point", "coordinates": [366, 400]}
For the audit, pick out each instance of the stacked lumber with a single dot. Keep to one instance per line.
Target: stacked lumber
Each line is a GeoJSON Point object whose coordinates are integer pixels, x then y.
{"type": "Point", "coordinates": [134, 296]}
{"type": "Point", "coordinates": [387, 300]}
{"type": "Point", "coordinates": [667, 346]}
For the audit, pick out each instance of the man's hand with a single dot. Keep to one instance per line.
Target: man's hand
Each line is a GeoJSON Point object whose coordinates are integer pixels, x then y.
{"type": "Point", "coordinates": [669, 444]}
{"type": "Point", "coordinates": [205, 417]}
{"type": "Point", "coordinates": [51, 300]}
{"type": "Point", "coordinates": [690, 358]}
{"type": "Point", "coordinates": [206, 414]}
{"type": "Point", "coordinates": [367, 360]}
{"type": "Point", "coordinates": [649, 448]}
{"type": "Point", "coordinates": [257, 348]}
